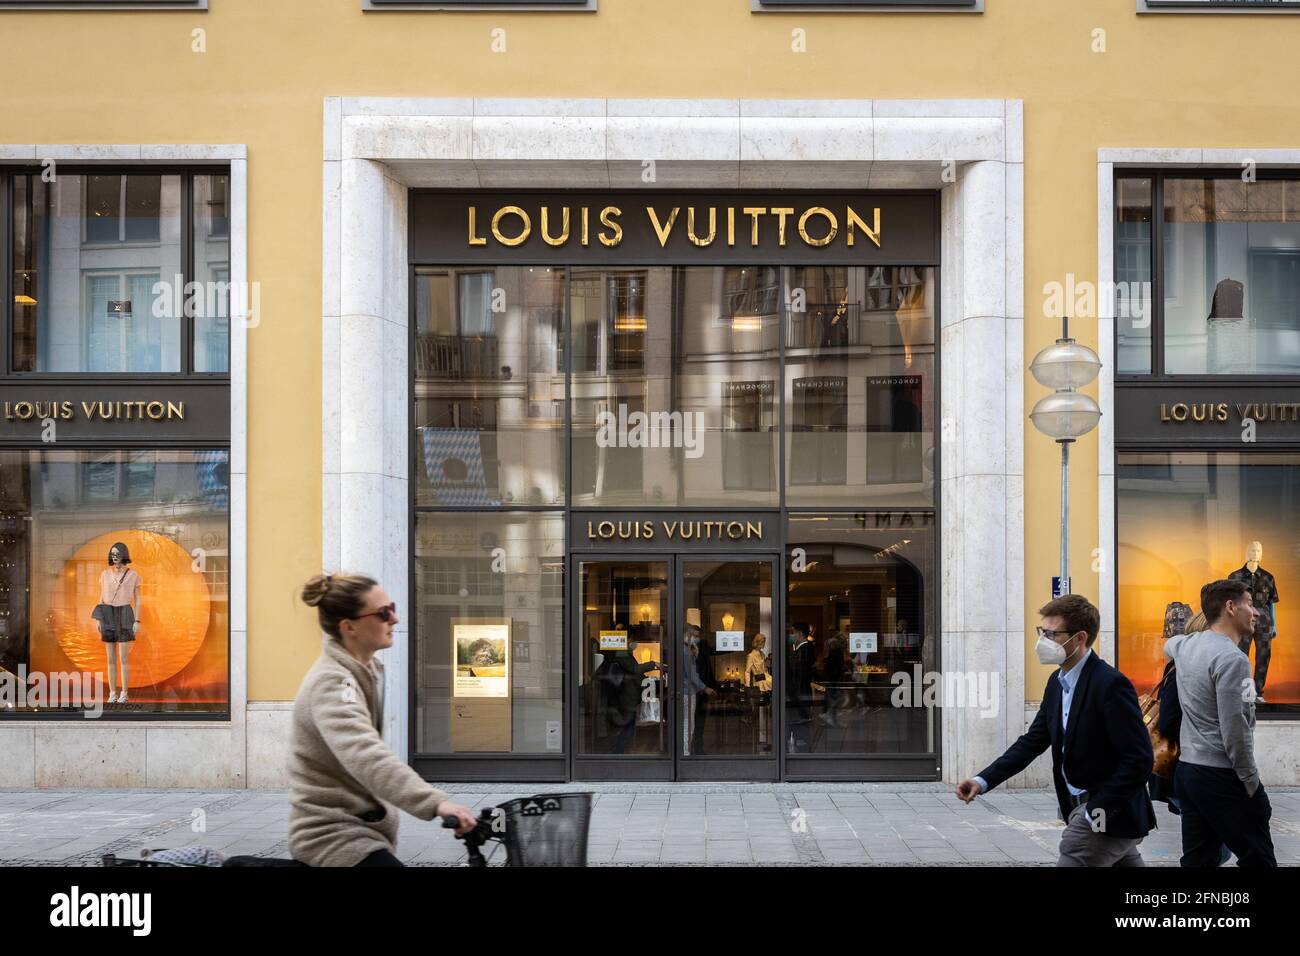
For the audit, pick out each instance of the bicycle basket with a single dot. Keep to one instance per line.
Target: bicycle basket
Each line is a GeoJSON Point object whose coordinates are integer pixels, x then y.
{"type": "Point", "coordinates": [547, 830]}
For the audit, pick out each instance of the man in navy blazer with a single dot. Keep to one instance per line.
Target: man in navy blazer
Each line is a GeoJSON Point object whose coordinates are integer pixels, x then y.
{"type": "Point", "coordinates": [1101, 752]}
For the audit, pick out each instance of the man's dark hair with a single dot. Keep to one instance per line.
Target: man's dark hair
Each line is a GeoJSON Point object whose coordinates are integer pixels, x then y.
{"type": "Point", "coordinates": [1078, 613]}
{"type": "Point", "coordinates": [1216, 595]}
{"type": "Point", "coordinates": [802, 628]}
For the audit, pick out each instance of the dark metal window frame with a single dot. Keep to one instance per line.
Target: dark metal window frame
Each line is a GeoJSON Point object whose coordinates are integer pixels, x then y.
{"type": "Point", "coordinates": [1194, 7]}
{"type": "Point", "coordinates": [187, 174]}
{"type": "Point", "coordinates": [559, 767]}
{"type": "Point", "coordinates": [1158, 177]}
{"type": "Point", "coordinates": [105, 5]}
{"type": "Point", "coordinates": [1159, 380]}
{"type": "Point", "coordinates": [866, 6]}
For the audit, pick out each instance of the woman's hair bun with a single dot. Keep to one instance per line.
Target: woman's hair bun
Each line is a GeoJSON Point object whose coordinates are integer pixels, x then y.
{"type": "Point", "coordinates": [314, 591]}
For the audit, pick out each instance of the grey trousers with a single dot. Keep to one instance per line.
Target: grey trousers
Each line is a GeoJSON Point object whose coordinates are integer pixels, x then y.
{"type": "Point", "coordinates": [1083, 846]}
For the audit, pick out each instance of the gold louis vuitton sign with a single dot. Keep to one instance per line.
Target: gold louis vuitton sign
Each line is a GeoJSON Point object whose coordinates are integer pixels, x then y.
{"type": "Point", "coordinates": [561, 225]}
{"type": "Point", "coordinates": [691, 530]}
{"type": "Point", "coordinates": [115, 411]}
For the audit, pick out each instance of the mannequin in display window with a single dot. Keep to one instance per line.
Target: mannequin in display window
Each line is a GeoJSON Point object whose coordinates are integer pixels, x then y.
{"type": "Point", "coordinates": [1263, 591]}
{"type": "Point", "coordinates": [118, 614]}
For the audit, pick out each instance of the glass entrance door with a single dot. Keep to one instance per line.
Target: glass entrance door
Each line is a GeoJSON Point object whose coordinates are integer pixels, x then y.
{"type": "Point", "coordinates": [673, 669]}
{"type": "Point", "coordinates": [624, 630]}
{"type": "Point", "coordinates": [726, 677]}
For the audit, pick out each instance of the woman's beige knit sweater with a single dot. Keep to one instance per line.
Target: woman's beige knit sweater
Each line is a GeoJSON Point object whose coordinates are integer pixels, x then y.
{"type": "Point", "coordinates": [347, 785]}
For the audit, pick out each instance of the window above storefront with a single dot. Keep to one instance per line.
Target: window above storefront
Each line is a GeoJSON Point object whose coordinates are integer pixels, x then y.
{"type": "Point", "coordinates": [868, 6]}
{"type": "Point", "coordinates": [1218, 6]}
{"type": "Point", "coordinates": [1209, 285]}
{"type": "Point", "coordinates": [118, 272]}
{"type": "Point", "coordinates": [103, 4]}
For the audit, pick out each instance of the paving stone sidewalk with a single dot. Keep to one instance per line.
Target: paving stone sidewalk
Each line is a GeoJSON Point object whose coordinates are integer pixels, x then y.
{"type": "Point", "coordinates": [632, 825]}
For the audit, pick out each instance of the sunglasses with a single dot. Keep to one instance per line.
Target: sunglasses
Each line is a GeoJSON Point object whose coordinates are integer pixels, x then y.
{"type": "Point", "coordinates": [384, 614]}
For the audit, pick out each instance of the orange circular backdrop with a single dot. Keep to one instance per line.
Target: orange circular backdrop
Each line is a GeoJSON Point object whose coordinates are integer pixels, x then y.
{"type": "Point", "coordinates": [174, 599]}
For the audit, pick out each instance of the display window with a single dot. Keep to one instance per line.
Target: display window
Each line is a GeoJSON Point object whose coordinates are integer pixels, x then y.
{"type": "Point", "coordinates": [1188, 518]}
{"type": "Point", "coordinates": [114, 581]}
{"type": "Point", "coordinates": [115, 480]}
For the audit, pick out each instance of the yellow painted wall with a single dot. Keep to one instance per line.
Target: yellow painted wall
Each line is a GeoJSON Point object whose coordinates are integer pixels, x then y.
{"type": "Point", "coordinates": [131, 77]}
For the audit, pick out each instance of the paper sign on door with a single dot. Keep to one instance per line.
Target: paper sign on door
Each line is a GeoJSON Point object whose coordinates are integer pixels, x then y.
{"type": "Point", "coordinates": [862, 642]}
{"type": "Point", "coordinates": [730, 640]}
{"type": "Point", "coordinates": [613, 640]}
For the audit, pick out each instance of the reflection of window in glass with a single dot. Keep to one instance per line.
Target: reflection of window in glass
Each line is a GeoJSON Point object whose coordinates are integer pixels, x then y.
{"type": "Point", "coordinates": [1236, 243]}
{"type": "Point", "coordinates": [459, 580]}
{"type": "Point", "coordinates": [627, 321]}
{"type": "Point", "coordinates": [123, 208]}
{"type": "Point", "coordinates": [818, 418]}
{"type": "Point", "coordinates": [122, 333]}
{"type": "Point", "coordinates": [489, 386]}
{"type": "Point", "coordinates": [894, 417]}
{"type": "Point", "coordinates": [827, 312]}
{"type": "Point", "coordinates": [752, 292]}
{"type": "Point", "coordinates": [96, 260]}
{"type": "Point", "coordinates": [1133, 275]}
{"type": "Point", "coordinates": [211, 313]}
{"type": "Point", "coordinates": [746, 438]}
{"type": "Point", "coordinates": [861, 601]}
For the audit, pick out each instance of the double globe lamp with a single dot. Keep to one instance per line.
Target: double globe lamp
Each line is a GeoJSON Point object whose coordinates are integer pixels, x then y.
{"type": "Point", "coordinates": [1066, 414]}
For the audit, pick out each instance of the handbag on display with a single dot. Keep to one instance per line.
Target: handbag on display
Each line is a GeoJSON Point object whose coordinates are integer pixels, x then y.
{"type": "Point", "coordinates": [1164, 749]}
{"type": "Point", "coordinates": [649, 712]}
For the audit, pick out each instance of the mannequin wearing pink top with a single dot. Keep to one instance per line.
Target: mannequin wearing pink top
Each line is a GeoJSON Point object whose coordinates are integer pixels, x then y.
{"type": "Point", "coordinates": [119, 589]}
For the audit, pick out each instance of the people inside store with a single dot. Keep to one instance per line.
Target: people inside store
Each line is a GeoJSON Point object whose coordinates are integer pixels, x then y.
{"type": "Point", "coordinates": [1263, 592]}
{"type": "Point", "coordinates": [693, 687]}
{"type": "Point", "coordinates": [834, 666]}
{"type": "Point", "coordinates": [1101, 751]}
{"type": "Point", "coordinates": [346, 783]}
{"type": "Point", "coordinates": [1217, 782]}
{"type": "Point", "coordinates": [618, 679]}
{"type": "Point", "coordinates": [758, 680]}
{"type": "Point", "coordinates": [118, 616]}
{"type": "Point", "coordinates": [801, 657]}
{"type": "Point", "coordinates": [705, 666]}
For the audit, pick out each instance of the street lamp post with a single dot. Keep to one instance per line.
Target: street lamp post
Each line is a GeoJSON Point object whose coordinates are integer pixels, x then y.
{"type": "Point", "coordinates": [1066, 414]}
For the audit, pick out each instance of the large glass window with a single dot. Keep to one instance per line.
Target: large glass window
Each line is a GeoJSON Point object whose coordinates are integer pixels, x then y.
{"type": "Point", "coordinates": [860, 624]}
{"type": "Point", "coordinates": [1133, 276]}
{"type": "Point", "coordinates": [1186, 519]}
{"type": "Point", "coordinates": [859, 385]}
{"type": "Point", "coordinates": [103, 280]}
{"type": "Point", "coordinates": [490, 624]}
{"type": "Point", "coordinates": [489, 386]}
{"type": "Point", "coordinates": [1231, 276]}
{"type": "Point", "coordinates": [674, 385]}
{"type": "Point", "coordinates": [61, 512]}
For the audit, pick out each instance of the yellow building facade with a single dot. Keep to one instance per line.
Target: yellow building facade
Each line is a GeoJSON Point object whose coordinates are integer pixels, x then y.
{"type": "Point", "coordinates": [322, 160]}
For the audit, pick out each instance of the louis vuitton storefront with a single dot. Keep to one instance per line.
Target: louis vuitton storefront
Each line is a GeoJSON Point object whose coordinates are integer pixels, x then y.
{"type": "Point", "coordinates": [700, 467]}
{"type": "Point", "coordinates": [674, 484]}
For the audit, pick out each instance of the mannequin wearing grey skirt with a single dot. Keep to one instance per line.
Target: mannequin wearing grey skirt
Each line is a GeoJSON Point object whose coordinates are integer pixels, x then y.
{"type": "Point", "coordinates": [118, 614]}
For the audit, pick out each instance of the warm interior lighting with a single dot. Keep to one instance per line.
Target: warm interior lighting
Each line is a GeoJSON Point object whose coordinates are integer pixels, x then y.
{"type": "Point", "coordinates": [629, 323]}
{"type": "Point", "coordinates": [24, 300]}
{"type": "Point", "coordinates": [746, 323]}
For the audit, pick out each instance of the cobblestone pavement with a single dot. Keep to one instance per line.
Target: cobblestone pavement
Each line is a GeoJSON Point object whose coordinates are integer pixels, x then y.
{"type": "Point", "coordinates": [632, 824]}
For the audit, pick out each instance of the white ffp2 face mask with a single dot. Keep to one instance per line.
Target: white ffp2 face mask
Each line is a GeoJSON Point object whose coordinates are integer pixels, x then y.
{"type": "Point", "coordinates": [1049, 652]}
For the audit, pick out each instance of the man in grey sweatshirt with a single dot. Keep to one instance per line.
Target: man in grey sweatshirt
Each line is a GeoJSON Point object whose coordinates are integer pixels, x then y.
{"type": "Point", "coordinates": [1217, 782]}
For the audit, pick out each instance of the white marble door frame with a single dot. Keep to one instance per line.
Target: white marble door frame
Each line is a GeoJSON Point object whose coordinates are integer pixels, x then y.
{"type": "Point", "coordinates": [972, 150]}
